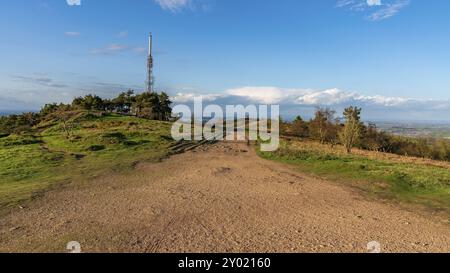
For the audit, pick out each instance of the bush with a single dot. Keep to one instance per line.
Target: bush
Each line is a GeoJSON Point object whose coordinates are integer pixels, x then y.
{"type": "Point", "coordinates": [114, 138]}
{"type": "Point", "coordinates": [96, 148]}
{"type": "Point", "coordinates": [321, 128]}
{"type": "Point", "coordinates": [19, 141]}
{"type": "Point", "coordinates": [18, 123]}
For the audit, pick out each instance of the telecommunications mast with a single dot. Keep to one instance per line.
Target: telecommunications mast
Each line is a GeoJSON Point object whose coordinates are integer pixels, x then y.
{"type": "Point", "coordinates": [150, 64]}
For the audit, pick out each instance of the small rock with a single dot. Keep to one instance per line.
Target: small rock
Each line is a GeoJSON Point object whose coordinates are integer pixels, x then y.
{"type": "Point", "coordinates": [14, 229]}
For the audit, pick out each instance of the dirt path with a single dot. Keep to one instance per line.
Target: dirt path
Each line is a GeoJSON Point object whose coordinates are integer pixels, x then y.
{"type": "Point", "coordinates": [220, 198]}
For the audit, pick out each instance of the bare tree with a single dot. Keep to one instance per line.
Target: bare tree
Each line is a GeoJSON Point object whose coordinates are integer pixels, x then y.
{"type": "Point", "coordinates": [66, 117]}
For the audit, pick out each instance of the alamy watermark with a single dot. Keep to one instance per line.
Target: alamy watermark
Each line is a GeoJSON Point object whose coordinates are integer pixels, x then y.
{"type": "Point", "coordinates": [237, 123]}
{"type": "Point", "coordinates": [374, 247]}
{"type": "Point", "coordinates": [73, 247]}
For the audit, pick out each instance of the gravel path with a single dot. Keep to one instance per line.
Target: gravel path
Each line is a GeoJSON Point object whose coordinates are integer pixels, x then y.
{"type": "Point", "coordinates": [218, 198]}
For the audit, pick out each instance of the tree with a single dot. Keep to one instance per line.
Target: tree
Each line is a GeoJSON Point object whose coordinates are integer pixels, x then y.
{"type": "Point", "coordinates": [152, 106]}
{"type": "Point", "coordinates": [374, 140]}
{"type": "Point", "coordinates": [47, 110]}
{"type": "Point", "coordinates": [66, 117]}
{"type": "Point", "coordinates": [142, 106]}
{"type": "Point", "coordinates": [89, 102]}
{"type": "Point", "coordinates": [108, 106]}
{"type": "Point", "coordinates": [18, 123]}
{"type": "Point", "coordinates": [323, 126]}
{"type": "Point", "coordinates": [160, 106]}
{"type": "Point", "coordinates": [351, 132]}
{"type": "Point", "coordinates": [124, 102]}
{"type": "Point", "coordinates": [165, 111]}
{"type": "Point", "coordinates": [441, 150]}
{"type": "Point", "coordinates": [300, 127]}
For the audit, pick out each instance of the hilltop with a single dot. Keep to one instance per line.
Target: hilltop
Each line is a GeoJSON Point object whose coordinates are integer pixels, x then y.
{"type": "Point", "coordinates": [102, 181]}
{"type": "Point", "coordinates": [98, 143]}
{"type": "Point", "coordinates": [221, 198]}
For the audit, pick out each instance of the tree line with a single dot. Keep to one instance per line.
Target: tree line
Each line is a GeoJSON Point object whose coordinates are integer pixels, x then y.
{"type": "Point", "coordinates": [351, 132]}
{"type": "Point", "coordinates": [325, 127]}
{"type": "Point", "coordinates": [155, 106]}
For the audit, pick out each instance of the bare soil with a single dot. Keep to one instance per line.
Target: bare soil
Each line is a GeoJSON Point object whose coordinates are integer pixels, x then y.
{"type": "Point", "coordinates": [218, 198]}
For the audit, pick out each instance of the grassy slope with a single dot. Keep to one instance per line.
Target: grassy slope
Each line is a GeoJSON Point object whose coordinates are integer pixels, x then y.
{"type": "Point", "coordinates": [406, 180]}
{"type": "Point", "coordinates": [31, 164]}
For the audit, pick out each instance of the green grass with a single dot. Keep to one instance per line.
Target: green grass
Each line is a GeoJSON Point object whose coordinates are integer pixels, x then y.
{"type": "Point", "coordinates": [416, 183]}
{"type": "Point", "coordinates": [98, 145]}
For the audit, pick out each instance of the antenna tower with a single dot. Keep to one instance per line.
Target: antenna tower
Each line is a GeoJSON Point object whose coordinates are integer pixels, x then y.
{"type": "Point", "coordinates": [150, 79]}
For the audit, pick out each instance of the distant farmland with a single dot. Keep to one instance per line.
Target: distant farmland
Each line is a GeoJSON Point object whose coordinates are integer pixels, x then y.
{"type": "Point", "coordinates": [433, 130]}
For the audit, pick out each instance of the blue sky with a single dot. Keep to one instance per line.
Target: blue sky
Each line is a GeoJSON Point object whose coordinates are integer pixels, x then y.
{"type": "Point", "coordinates": [389, 56]}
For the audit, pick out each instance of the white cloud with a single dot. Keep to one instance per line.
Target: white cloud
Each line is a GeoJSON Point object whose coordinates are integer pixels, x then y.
{"type": "Point", "coordinates": [374, 2]}
{"type": "Point", "coordinates": [189, 97]}
{"type": "Point", "coordinates": [73, 2]}
{"type": "Point", "coordinates": [377, 9]}
{"type": "Point", "coordinates": [265, 94]}
{"type": "Point", "coordinates": [72, 33]}
{"type": "Point", "coordinates": [38, 80]}
{"type": "Point", "coordinates": [326, 97]}
{"type": "Point", "coordinates": [173, 5]}
{"type": "Point", "coordinates": [303, 102]}
{"type": "Point", "coordinates": [355, 5]}
{"type": "Point", "coordinates": [30, 92]}
{"type": "Point", "coordinates": [389, 10]}
{"type": "Point", "coordinates": [307, 97]}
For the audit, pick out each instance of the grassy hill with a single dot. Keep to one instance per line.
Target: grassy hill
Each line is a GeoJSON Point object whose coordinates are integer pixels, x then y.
{"type": "Point", "coordinates": [101, 143]}
{"type": "Point", "coordinates": [98, 143]}
{"type": "Point", "coordinates": [409, 179]}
